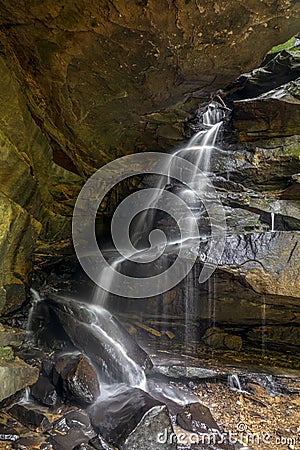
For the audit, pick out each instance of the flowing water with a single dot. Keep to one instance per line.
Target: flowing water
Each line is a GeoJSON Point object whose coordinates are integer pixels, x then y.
{"type": "Point", "coordinates": [93, 317]}
{"type": "Point", "coordinates": [234, 382]}
{"type": "Point", "coordinates": [272, 222]}
{"type": "Point", "coordinates": [197, 151]}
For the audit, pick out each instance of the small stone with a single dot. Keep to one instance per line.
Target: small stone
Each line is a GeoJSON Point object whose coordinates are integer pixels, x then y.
{"type": "Point", "coordinates": [8, 434]}
{"type": "Point", "coordinates": [99, 443]}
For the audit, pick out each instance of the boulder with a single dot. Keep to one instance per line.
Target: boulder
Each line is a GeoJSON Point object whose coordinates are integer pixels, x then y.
{"type": "Point", "coordinates": [132, 419]}
{"type": "Point", "coordinates": [73, 429]}
{"type": "Point", "coordinates": [44, 391]}
{"type": "Point", "coordinates": [30, 416]}
{"type": "Point", "coordinates": [100, 335]}
{"type": "Point", "coordinates": [197, 418]}
{"type": "Point", "coordinates": [15, 375]}
{"type": "Point", "coordinates": [78, 378]}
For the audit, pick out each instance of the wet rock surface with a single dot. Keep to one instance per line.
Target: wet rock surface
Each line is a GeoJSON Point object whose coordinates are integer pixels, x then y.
{"type": "Point", "coordinates": [143, 104]}
{"type": "Point", "coordinates": [88, 330]}
{"type": "Point", "coordinates": [44, 391]}
{"type": "Point", "coordinates": [273, 114]}
{"type": "Point", "coordinates": [77, 378]}
{"type": "Point", "coordinates": [131, 418]}
{"type": "Point", "coordinates": [71, 430]}
{"type": "Point", "coordinates": [30, 416]}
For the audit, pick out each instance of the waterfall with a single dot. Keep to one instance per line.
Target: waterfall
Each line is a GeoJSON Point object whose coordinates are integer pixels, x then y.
{"type": "Point", "coordinates": [198, 151]}
{"type": "Point", "coordinates": [92, 324]}
{"type": "Point", "coordinates": [272, 221]}
{"type": "Point", "coordinates": [234, 382]}
{"type": "Point", "coordinates": [36, 298]}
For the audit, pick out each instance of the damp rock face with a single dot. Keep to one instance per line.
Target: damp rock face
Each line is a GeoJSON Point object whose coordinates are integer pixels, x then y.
{"type": "Point", "coordinates": [11, 336]}
{"type": "Point", "coordinates": [273, 114]}
{"type": "Point", "coordinates": [130, 418]}
{"type": "Point", "coordinates": [78, 378]}
{"type": "Point", "coordinates": [216, 338]}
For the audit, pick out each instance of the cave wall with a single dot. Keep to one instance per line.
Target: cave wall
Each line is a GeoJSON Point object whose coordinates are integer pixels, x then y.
{"type": "Point", "coordinates": [85, 82]}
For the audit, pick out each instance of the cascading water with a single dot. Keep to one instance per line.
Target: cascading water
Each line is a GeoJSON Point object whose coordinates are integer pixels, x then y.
{"type": "Point", "coordinates": [197, 151]}
{"type": "Point", "coordinates": [272, 221]}
{"type": "Point", "coordinates": [92, 320]}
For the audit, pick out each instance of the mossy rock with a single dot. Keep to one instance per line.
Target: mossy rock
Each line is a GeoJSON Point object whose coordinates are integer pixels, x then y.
{"type": "Point", "coordinates": [6, 354]}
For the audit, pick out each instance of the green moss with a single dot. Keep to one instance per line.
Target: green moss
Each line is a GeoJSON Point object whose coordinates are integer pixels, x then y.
{"type": "Point", "coordinates": [288, 45]}
{"type": "Point", "coordinates": [6, 354]}
{"type": "Point", "coordinates": [294, 151]}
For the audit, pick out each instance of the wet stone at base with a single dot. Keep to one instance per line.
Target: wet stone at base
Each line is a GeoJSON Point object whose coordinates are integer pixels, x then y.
{"type": "Point", "coordinates": [73, 429]}
{"type": "Point", "coordinates": [77, 378]}
{"type": "Point", "coordinates": [132, 419]}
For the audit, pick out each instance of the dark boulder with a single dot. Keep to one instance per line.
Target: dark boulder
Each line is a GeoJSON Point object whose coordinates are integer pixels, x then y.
{"type": "Point", "coordinates": [132, 419]}
{"type": "Point", "coordinates": [44, 391]}
{"type": "Point", "coordinates": [197, 419]}
{"type": "Point", "coordinates": [30, 416]}
{"type": "Point", "coordinates": [73, 429]}
{"type": "Point", "coordinates": [99, 334]}
{"type": "Point", "coordinates": [77, 377]}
